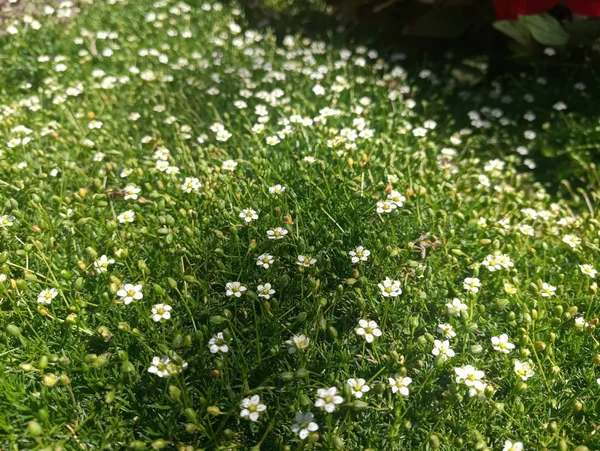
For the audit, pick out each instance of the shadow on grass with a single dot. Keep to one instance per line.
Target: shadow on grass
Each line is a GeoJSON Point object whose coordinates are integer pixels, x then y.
{"type": "Point", "coordinates": [567, 142]}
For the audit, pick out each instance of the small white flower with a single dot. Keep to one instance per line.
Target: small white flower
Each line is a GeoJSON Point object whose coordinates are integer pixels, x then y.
{"type": "Point", "coordinates": [273, 140]}
{"type": "Point", "coordinates": [442, 348]}
{"type": "Point", "coordinates": [161, 312]}
{"type": "Point", "coordinates": [456, 306]}
{"type": "Point", "coordinates": [588, 270]}
{"type": "Point", "coordinates": [46, 296]}
{"type": "Point", "coordinates": [547, 290]}
{"type": "Point", "coordinates": [397, 198]}
{"type": "Point", "coordinates": [6, 221]}
{"type": "Point", "coordinates": [390, 288]}
{"type": "Point", "coordinates": [297, 342]}
{"type": "Point", "coordinates": [191, 184]}
{"type": "Point", "coordinates": [468, 375]}
{"type": "Point", "coordinates": [526, 229]}
{"type": "Point", "coordinates": [359, 254]}
{"type": "Point", "coordinates": [502, 344]}
{"type": "Point", "coordinates": [328, 399]}
{"type": "Point", "coordinates": [581, 323]}
{"type": "Point", "coordinates": [101, 265]}
{"type": "Point", "coordinates": [277, 233]}
{"type": "Point", "coordinates": [400, 384]}
{"type": "Point", "coordinates": [160, 366]}
{"type": "Point", "coordinates": [265, 291]}
{"type": "Point", "coordinates": [571, 240]}
{"type": "Point", "coordinates": [130, 293]}
{"type": "Point", "coordinates": [248, 215]}
{"type": "Point", "coordinates": [126, 216]}
{"type": "Point", "coordinates": [510, 446]}
{"type": "Point", "coordinates": [217, 344]}
{"type": "Point", "coordinates": [131, 192]}
{"type": "Point", "coordinates": [234, 289]}
{"type": "Point", "coordinates": [478, 389]}
{"type": "Point", "coordinates": [306, 261]}
{"type": "Point", "coordinates": [229, 165]}
{"type": "Point", "coordinates": [252, 408]}
{"type": "Point", "coordinates": [446, 330]}
{"type": "Point", "coordinates": [386, 206]}
{"type": "Point", "coordinates": [358, 386]}
{"type": "Point", "coordinates": [368, 329]}
{"type": "Point", "coordinates": [524, 369]}
{"type": "Point", "coordinates": [277, 189]}
{"type": "Point", "coordinates": [304, 425]}
{"type": "Point", "coordinates": [472, 284]}
{"type": "Point", "coordinates": [265, 261]}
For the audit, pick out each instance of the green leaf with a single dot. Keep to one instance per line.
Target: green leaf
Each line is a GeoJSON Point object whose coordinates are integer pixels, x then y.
{"type": "Point", "coordinates": [545, 29]}
{"type": "Point", "coordinates": [515, 30]}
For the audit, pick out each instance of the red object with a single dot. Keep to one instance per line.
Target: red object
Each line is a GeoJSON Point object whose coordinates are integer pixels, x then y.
{"type": "Point", "coordinates": [512, 9]}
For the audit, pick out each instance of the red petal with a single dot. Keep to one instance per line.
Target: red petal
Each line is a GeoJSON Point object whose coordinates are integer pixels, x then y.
{"type": "Point", "coordinates": [512, 9]}
{"type": "Point", "coordinates": [590, 8]}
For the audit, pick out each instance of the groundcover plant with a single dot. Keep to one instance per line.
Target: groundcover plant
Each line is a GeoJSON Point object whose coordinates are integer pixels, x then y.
{"type": "Point", "coordinates": [214, 240]}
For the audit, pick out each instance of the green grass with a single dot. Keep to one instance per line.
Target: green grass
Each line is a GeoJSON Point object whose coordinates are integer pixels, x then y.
{"type": "Point", "coordinates": [75, 369]}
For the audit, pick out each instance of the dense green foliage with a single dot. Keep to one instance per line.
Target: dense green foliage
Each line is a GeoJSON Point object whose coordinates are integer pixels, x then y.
{"type": "Point", "coordinates": [157, 154]}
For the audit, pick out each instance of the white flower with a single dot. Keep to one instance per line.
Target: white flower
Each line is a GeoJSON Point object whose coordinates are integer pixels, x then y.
{"type": "Point", "coordinates": [101, 265]}
{"type": "Point", "coordinates": [328, 399]}
{"type": "Point", "coordinates": [306, 261]}
{"type": "Point", "coordinates": [161, 312]}
{"type": "Point", "coordinates": [368, 329]}
{"type": "Point", "coordinates": [277, 189]}
{"type": "Point", "coordinates": [6, 221]}
{"type": "Point", "coordinates": [497, 261]}
{"type": "Point", "coordinates": [126, 216]}
{"type": "Point", "coordinates": [217, 344]}
{"type": "Point", "coordinates": [468, 375]}
{"type": "Point", "coordinates": [359, 254]}
{"type": "Point", "coordinates": [472, 284]}
{"type": "Point", "coordinates": [397, 198]}
{"type": "Point", "coordinates": [456, 306]}
{"type": "Point", "coordinates": [442, 348]}
{"type": "Point", "coordinates": [581, 323]}
{"type": "Point", "coordinates": [160, 366]}
{"type": "Point", "coordinates": [390, 288]}
{"type": "Point", "coordinates": [510, 446]}
{"type": "Point", "coordinates": [400, 384]}
{"type": "Point", "coordinates": [234, 289]}
{"type": "Point", "coordinates": [229, 165]}
{"type": "Point", "coordinates": [248, 215]}
{"type": "Point", "coordinates": [588, 270]}
{"type": "Point", "coordinates": [191, 184]}
{"type": "Point", "coordinates": [265, 291]}
{"type": "Point", "coordinates": [502, 344]}
{"type": "Point", "coordinates": [386, 206]}
{"type": "Point", "coordinates": [273, 140]}
{"type": "Point", "coordinates": [523, 369]}
{"type": "Point", "coordinates": [304, 425]}
{"type": "Point", "coordinates": [46, 296]}
{"type": "Point", "coordinates": [252, 408]}
{"type": "Point", "coordinates": [265, 261]}
{"type": "Point", "coordinates": [164, 367]}
{"type": "Point", "coordinates": [277, 233]}
{"type": "Point", "coordinates": [547, 290]}
{"type": "Point", "coordinates": [130, 293]}
{"type": "Point", "coordinates": [447, 330]}
{"type": "Point", "coordinates": [509, 288]}
{"type": "Point", "coordinates": [526, 229]}
{"type": "Point", "coordinates": [131, 192]}
{"type": "Point", "coordinates": [478, 389]}
{"type": "Point", "coordinates": [358, 386]}
{"type": "Point", "coordinates": [297, 342]}
{"type": "Point", "coordinates": [571, 240]}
